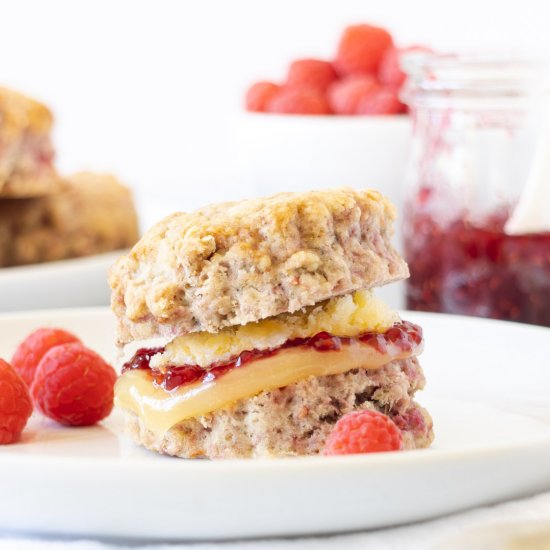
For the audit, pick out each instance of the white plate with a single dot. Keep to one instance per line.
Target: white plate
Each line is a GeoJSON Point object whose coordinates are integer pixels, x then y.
{"type": "Point", "coordinates": [67, 283]}
{"type": "Point", "coordinates": [488, 388]}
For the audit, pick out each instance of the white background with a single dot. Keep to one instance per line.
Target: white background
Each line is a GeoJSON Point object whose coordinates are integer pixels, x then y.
{"type": "Point", "coordinates": [149, 89]}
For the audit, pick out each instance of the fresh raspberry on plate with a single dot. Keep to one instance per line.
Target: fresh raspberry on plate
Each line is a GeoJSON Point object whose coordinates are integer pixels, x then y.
{"type": "Point", "coordinates": [31, 350]}
{"type": "Point", "coordinates": [345, 95]}
{"type": "Point", "coordinates": [383, 101]}
{"type": "Point", "coordinates": [363, 432]}
{"type": "Point", "coordinates": [15, 404]}
{"type": "Point", "coordinates": [299, 101]}
{"type": "Point", "coordinates": [361, 49]}
{"type": "Point", "coordinates": [390, 72]}
{"type": "Point", "coordinates": [73, 385]}
{"type": "Point", "coordinates": [313, 73]}
{"type": "Point", "coordinates": [259, 95]}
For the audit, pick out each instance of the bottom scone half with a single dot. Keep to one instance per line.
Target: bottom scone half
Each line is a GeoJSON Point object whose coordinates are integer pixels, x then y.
{"type": "Point", "coordinates": [275, 387]}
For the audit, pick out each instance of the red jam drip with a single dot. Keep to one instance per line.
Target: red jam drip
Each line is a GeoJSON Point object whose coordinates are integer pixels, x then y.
{"type": "Point", "coordinates": [403, 337]}
{"type": "Point", "coordinates": [477, 269]}
{"type": "Point", "coordinates": [141, 358]}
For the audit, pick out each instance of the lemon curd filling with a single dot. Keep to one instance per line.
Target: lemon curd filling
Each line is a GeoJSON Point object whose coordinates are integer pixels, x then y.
{"type": "Point", "coordinates": [347, 315]}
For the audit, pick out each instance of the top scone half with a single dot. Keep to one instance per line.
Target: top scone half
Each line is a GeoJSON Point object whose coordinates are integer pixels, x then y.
{"type": "Point", "coordinates": [249, 328]}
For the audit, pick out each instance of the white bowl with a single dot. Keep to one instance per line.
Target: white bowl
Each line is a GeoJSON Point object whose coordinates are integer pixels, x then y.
{"type": "Point", "coordinates": [295, 153]}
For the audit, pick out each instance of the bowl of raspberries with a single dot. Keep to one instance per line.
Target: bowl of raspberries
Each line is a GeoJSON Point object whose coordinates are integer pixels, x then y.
{"type": "Point", "coordinates": [330, 122]}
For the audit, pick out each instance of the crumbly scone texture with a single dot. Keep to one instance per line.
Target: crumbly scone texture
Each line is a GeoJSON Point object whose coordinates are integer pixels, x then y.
{"type": "Point", "coordinates": [235, 263]}
{"type": "Point", "coordinates": [92, 213]}
{"type": "Point", "coordinates": [22, 114]}
{"type": "Point", "coordinates": [26, 152]}
{"type": "Point", "coordinates": [297, 419]}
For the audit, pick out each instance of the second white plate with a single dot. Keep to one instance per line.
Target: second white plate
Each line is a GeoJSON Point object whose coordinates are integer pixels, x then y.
{"type": "Point", "coordinates": [77, 282]}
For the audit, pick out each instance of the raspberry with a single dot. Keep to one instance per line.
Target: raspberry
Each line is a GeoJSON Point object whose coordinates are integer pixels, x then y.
{"type": "Point", "coordinates": [73, 385]}
{"type": "Point", "coordinates": [361, 49]}
{"type": "Point", "coordinates": [313, 73]}
{"type": "Point", "coordinates": [345, 95]}
{"type": "Point", "coordinates": [259, 95]}
{"type": "Point", "coordinates": [31, 350]}
{"type": "Point", "coordinates": [363, 432]}
{"type": "Point", "coordinates": [383, 101]}
{"type": "Point", "coordinates": [299, 101]}
{"type": "Point", "coordinates": [389, 71]}
{"type": "Point", "coordinates": [15, 404]}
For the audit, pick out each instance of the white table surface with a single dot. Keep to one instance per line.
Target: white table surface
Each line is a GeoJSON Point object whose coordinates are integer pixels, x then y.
{"type": "Point", "coordinates": [483, 528]}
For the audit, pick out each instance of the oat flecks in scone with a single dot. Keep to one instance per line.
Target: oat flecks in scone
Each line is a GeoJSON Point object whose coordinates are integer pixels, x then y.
{"type": "Point", "coordinates": [235, 263]}
{"type": "Point", "coordinates": [92, 213]}
{"type": "Point", "coordinates": [26, 152]}
{"type": "Point", "coordinates": [297, 419]}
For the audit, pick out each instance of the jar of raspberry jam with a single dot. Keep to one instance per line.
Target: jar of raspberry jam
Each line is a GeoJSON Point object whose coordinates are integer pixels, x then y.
{"type": "Point", "coordinates": [476, 124]}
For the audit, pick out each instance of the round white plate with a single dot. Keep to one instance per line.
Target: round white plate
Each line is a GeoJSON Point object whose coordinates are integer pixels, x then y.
{"type": "Point", "coordinates": [67, 283]}
{"type": "Point", "coordinates": [488, 388]}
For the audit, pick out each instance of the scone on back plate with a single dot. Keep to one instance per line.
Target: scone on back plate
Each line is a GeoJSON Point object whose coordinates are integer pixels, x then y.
{"type": "Point", "coordinates": [249, 329]}
{"type": "Point", "coordinates": [91, 213]}
{"type": "Point", "coordinates": [26, 153]}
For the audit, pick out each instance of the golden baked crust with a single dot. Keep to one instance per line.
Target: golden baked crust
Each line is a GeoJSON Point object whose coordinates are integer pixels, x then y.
{"type": "Point", "coordinates": [235, 263]}
{"type": "Point", "coordinates": [92, 213]}
{"type": "Point", "coordinates": [26, 152]}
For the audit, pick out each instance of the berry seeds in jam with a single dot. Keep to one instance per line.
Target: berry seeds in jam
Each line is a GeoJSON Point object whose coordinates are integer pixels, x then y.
{"type": "Point", "coordinates": [477, 269]}
{"type": "Point", "coordinates": [400, 338]}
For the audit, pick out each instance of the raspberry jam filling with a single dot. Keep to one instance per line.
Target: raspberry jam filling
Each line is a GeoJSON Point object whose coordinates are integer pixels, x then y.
{"type": "Point", "coordinates": [402, 337]}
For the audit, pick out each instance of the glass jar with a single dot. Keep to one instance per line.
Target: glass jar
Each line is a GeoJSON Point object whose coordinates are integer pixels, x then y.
{"type": "Point", "coordinates": [476, 122]}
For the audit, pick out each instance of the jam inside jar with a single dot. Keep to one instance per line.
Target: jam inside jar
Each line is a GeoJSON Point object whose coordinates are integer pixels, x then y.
{"type": "Point", "coordinates": [476, 123]}
{"type": "Point", "coordinates": [477, 269]}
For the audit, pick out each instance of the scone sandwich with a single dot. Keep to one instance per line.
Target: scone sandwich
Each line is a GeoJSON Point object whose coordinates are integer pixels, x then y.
{"type": "Point", "coordinates": [249, 329]}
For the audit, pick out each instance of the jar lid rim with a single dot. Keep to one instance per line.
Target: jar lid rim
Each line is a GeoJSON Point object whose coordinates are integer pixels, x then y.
{"type": "Point", "coordinates": [469, 71]}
